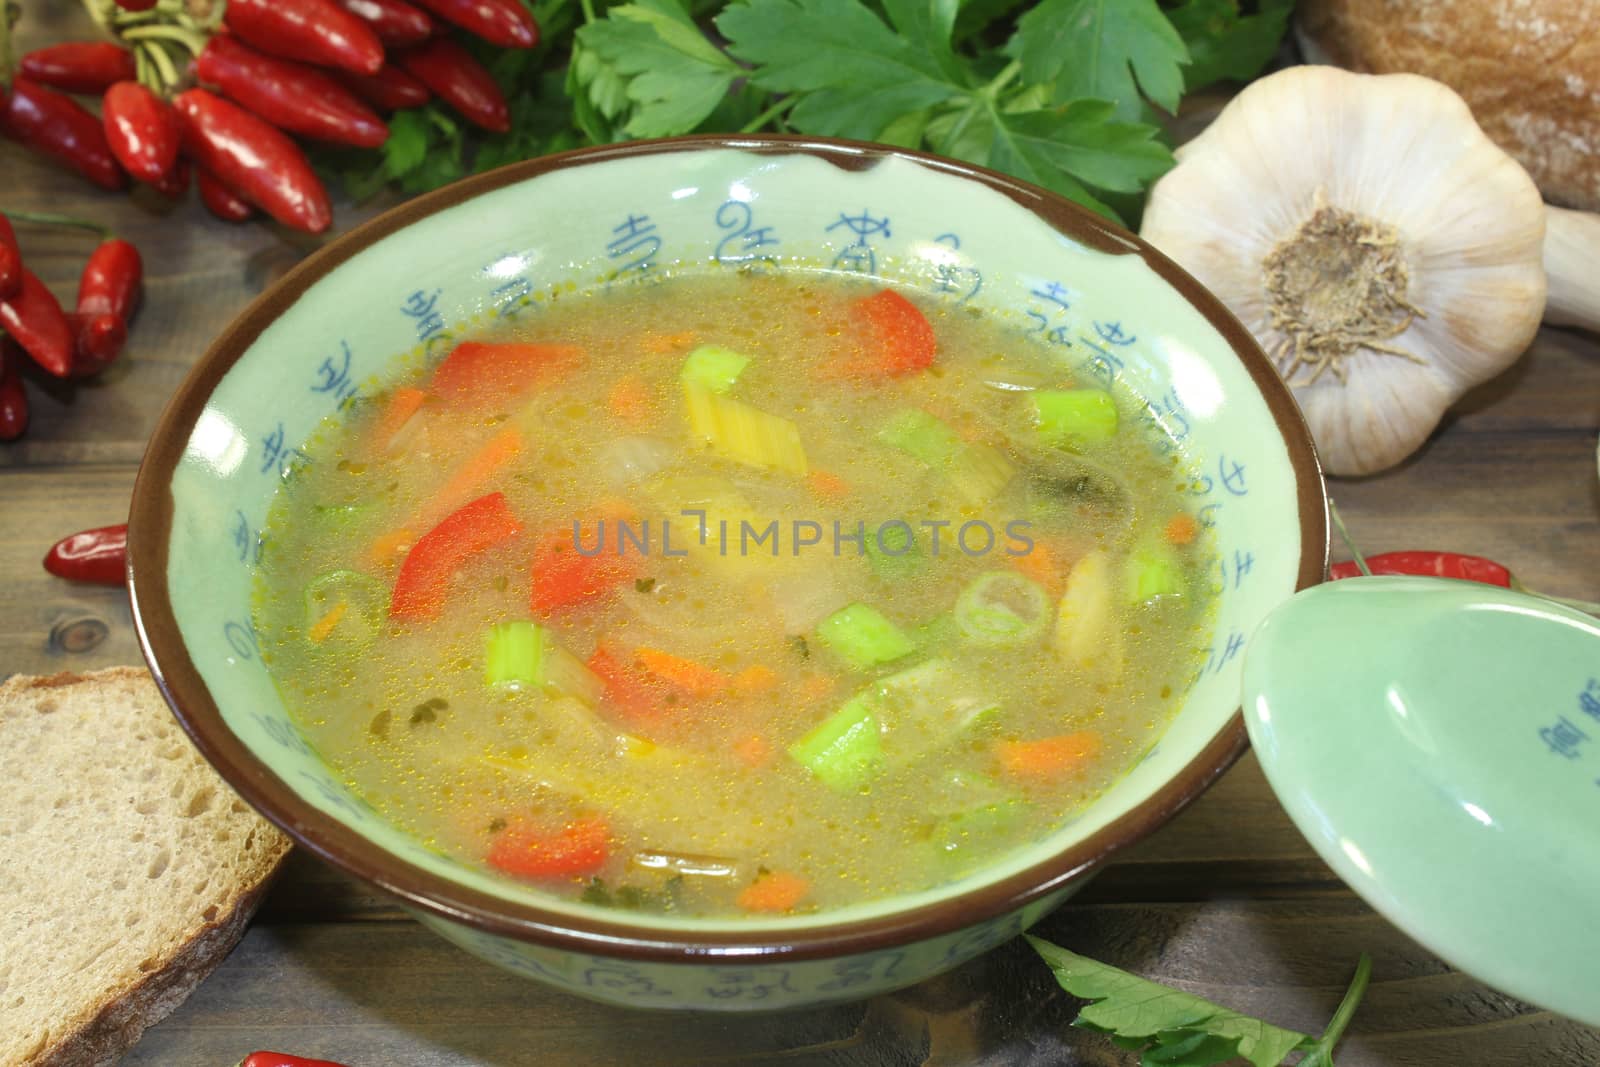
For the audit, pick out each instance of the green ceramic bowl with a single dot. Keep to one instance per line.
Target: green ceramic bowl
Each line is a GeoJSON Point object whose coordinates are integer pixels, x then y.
{"type": "Point", "coordinates": [494, 246]}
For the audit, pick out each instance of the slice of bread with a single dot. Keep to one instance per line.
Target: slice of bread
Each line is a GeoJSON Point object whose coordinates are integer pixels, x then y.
{"type": "Point", "coordinates": [128, 869]}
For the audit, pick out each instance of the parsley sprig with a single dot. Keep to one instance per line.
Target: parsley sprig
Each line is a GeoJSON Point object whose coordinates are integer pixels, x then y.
{"type": "Point", "coordinates": [1171, 1028]}
{"type": "Point", "coordinates": [1063, 93]}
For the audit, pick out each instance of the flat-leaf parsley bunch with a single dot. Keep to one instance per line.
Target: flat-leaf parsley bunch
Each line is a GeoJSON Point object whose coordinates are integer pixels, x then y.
{"type": "Point", "coordinates": [1062, 93]}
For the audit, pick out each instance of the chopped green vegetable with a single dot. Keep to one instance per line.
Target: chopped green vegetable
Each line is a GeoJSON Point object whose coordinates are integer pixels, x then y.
{"type": "Point", "coordinates": [713, 367]}
{"type": "Point", "coordinates": [844, 751]}
{"type": "Point", "coordinates": [921, 435]}
{"type": "Point", "coordinates": [1153, 571]}
{"type": "Point", "coordinates": [861, 636]}
{"type": "Point", "coordinates": [899, 556]}
{"type": "Point", "coordinates": [744, 433]}
{"type": "Point", "coordinates": [514, 654]}
{"type": "Point", "coordinates": [1068, 417]}
{"type": "Point", "coordinates": [973, 808]}
{"type": "Point", "coordinates": [1002, 608]}
{"type": "Point", "coordinates": [1176, 1029]}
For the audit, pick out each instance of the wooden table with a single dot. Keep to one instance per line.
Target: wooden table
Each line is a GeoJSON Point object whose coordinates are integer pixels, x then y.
{"type": "Point", "coordinates": [1227, 901]}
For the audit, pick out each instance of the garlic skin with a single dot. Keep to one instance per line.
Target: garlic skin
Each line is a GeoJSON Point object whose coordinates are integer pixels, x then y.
{"type": "Point", "coordinates": [1571, 260]}
{"type": "Point", "coordinates": [1382, 250]}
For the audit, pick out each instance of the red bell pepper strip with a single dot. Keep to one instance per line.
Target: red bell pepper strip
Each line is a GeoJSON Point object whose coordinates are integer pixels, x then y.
{"type": "Point", "coordinates": [35, 319]}
{"type": "Point", "coordinates": [506, 23]}
{"type": "Point", "coordinates": [13, 398]}
{"type": "Point", "coordinates": [141, 130]}
{"type": "Point", "coordinates": [175, 182]}
{"type": "Point", "coordinates": [10, 259]}
{"type": "Point", "coordinates": [1430, 565]}
{"type": "Point", "coordinates": [391, 89]}
{"type": "Point", "coordinates": [221, 201]}
{"type": "Point", "coordinates": [900, 338]}
{"type": "Point", "coordinates": [254, 159]}
{"type": "Point", "coordinates": [481, 372]}
{"type": "Point", "coordinates": [88, 67]}
{"type": "Point", "coordinates": [562, 577]}
{"type": "Point", "coordinates": [111, 281]}
{"type": "Point", "coordinates": [99, 556]}
{"type": "Point", "coordinates": [292, 96]}
{"type": "Point", "coordinates": [578, 848]}
{"type": "Point", "coordinates": [267, 1058]}
{"type": "Point", "coordinates": [97, 342]}
{"type": "Point", "coordinates": [311, 31]}
{"type": "Point", "coordinates": [460, 81]}
{"type": "Point", "coordinates": [59, 127]}
{"type": "Point", "coordinates": [397, 24]}
{"type": "Point", "coordinates": [423, 583]}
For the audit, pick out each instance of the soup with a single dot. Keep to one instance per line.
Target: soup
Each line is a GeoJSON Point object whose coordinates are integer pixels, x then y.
{"type": "Point", "coordinates": [735, 594]}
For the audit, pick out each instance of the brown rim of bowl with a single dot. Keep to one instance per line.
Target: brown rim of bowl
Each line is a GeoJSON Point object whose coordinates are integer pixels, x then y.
{"type": "Point", "coordinates": [151, 528]}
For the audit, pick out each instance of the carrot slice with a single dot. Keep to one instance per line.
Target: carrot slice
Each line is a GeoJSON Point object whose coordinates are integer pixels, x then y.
{"type": "Point", "coordinates": [423, 584]}
{"type": "Point", "coordinates": [470, 478]}
{"type": "Point", "coordinates": [576, 849]}
{"type": "Point", "coordinates": [828, 485]}
{"type": "Point", "coordinates": [1182, 529]}
{"type": "Point", "coordinates": [774, 891]}
{"type": "Point", "coordinates": [480, 372]}
{"type": "Point", "coordinates": [900, 339]}
{"type": "Point", "coordinates": [694, 678]}
{"type": "Point", "coordinates": [1047, 759]}
{"type": "Point", "coordinates": [403, 403]}
{"type": "Point", "coordinates": [386, 548]}
{"type": "Point", "coordinates": [757, 678]}
{"type": "Point", "coordinates": [629, 399]}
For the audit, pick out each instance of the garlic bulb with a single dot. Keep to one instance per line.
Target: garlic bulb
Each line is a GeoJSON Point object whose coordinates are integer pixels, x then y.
{"type": "Point", "coordinates": [1571, 258]}
{"type": "Point", "coordinates": [1385, 254]}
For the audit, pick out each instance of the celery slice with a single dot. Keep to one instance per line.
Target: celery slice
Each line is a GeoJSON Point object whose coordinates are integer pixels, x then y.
{"type": "Point", "coordinates": [743, 433]}
{"type": "Point", "coordinates": [1153, 571]}
{"type": "Point", "coordinates": [977, 472]}
{"type": "Point", "coordinates": [844, 751]}
{"type": "Point", "coordinates": [980, 472]}
{"type": "Point", "coordinates": [1087, 635]}
{"type": "Point", "coordinates": [714, 367]}
{"type": "Point", "coordinates": [514, 655]}
{"type": "Point", "coordinates": [1068, 417]}
{"type": "Point", "coordinates": [899, 557]}
{"type": "Point", "coordinates": [861, 636]}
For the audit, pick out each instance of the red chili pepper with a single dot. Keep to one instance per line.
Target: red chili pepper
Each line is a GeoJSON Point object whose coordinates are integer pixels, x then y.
{"type": "Point", "coordinates": [111, 280]}
{"type": "Point", "coordinates": [59, 127]}
{"type": "Point", "coordinates": [10, 260]}
{"type": "Point", "coordinates": [98, 341]}
{"type": "Point", "coordinates": [89, 67]}
{"type": "Point", "coordinates": [141, 130]}
{"type": "Point", "coordinates": [35, 319]}
{"type": "Point", "coordinates": [312, 31]}
{"type": "Point", "coordinates": [503, 22]}
{"type": "Point", "coordinates": [283, 1059]}
{"type": "Point", "coordinates": [221, 201]}
{"type": "Point", "coordinates": [175, 182]}
{"type": "Point", "coordinates": [99, 555]}
{"type": "Point", "coordinates": [397, 24]}
{"type": "Point", "coordinates": [461, 81]}
{"type": "Point", "coordinates": [292, 96]}
{"type": "Point", "coordinates": [1430, 565]}
{"type": "Point", "coordinates": [254, 159]}
{"type": "Point", "coordinates": [391, 89]}
{"type": "Point", "coordinates": [13, 398]}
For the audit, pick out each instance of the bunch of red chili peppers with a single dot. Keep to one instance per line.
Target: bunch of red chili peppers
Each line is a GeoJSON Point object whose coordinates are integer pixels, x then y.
{"type": "Point", "coordinates": [75, 344]}
{"type": "Point", "coordinates": [214, 88]}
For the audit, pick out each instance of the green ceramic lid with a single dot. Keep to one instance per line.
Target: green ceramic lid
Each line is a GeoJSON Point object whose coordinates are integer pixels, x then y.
{"type": "Point", "coordinates": [1438, 743]}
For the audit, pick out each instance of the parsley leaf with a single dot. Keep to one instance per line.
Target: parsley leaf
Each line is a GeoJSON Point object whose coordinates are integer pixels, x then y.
{"type": "Point", "coordinates": [857, 74]}
{"type": "Point", "coordinates": [1172, 1028]}
{"type": "Point", "coordinates": [1096, 49]}
{"type": "Point", "coordinates": [1225, 45]}
{"type": "Point", "coordinates": [650, 57]}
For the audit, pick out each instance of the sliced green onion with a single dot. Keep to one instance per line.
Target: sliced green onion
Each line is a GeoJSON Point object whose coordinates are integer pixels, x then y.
{"type": "Point", "coordinates": [844, 751]}
{"type": "Point", "coordinates": [1153, 571]}
{"type": "Point", "coordinates": [1067, 417]}
{"type": "Point", "coordinates": [861, 636]}
{"type": "Point", "coordinates": [1002, 608]}
{"type": "Point", "coordinates": [366, 601]}
{"type": "Point", "coordinates": [713, 367]}
{"type": "Point", "coordinates": [514, 654]}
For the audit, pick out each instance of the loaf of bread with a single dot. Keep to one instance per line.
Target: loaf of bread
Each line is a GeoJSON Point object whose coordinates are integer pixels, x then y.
{"type": "Point", "coordinates": [1529, 71]}
{"type": "Point", "coordinates": [129, 868]}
